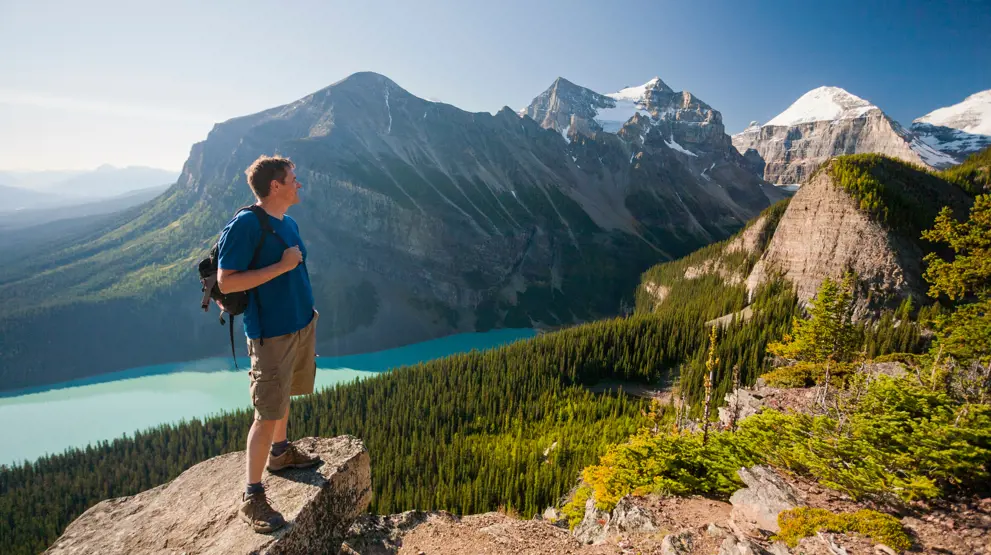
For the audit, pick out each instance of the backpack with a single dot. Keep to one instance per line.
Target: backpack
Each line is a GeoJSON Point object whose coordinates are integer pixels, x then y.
{"type": "Point", "coordinates": [233, 303]}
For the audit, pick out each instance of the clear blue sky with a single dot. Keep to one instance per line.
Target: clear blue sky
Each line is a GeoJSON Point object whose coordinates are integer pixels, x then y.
{"type": "Point", "coordinates": [85, 83]}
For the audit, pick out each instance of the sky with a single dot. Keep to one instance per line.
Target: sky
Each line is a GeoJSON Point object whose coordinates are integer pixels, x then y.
{"type": "Point", "coordinates": [137, 83]}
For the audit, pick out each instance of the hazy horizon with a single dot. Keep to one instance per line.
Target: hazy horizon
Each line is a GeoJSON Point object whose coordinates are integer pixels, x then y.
{"type": "Point", "coordinates": [110, 82]}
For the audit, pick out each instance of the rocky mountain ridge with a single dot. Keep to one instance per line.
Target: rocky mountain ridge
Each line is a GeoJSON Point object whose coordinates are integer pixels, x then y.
{"type": "Point", "coordinates": [828, 122]}
{"type": "Point", "coordinates": [421, 219]}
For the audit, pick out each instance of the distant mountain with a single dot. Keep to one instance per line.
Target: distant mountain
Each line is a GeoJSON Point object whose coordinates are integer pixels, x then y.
{"type": "Point", "coordinates": [827, 122]}
{"type": "Point", "coordinates": [17, 198]}
{"type": "Point", "coordinates": [36, 180]}
{"type": "Point", "coordinates": [62, 209]}
{"type": "Point", "coordinates": [421, 220]}
{"type": "Point", "coordinates": [958, 130]}
{"type": "Point", "coordinates": [103, 182]}
{"type": "Point", "coordinates": [109, 181]}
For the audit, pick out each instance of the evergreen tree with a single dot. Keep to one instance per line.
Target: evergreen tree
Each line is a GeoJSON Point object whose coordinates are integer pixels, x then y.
{"type": "Point", "coordinates": [964, 335]}
{"type": "Point", "coordinates": [828, 335]}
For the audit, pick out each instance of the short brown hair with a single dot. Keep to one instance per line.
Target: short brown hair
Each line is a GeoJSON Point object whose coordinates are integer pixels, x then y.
{"type": "Point", "coordinates": [263, 170]}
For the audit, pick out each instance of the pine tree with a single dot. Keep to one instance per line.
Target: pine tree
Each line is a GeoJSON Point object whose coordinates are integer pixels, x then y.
{"type": "Point", "coordinates": [828, 335]}
{"type": "Point", "coordinates": [710, 365]}
{"type": "Point", "coordinates": [965, 334]}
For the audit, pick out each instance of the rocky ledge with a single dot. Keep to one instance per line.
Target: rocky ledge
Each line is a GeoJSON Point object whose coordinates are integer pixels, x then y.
{"type": "Point", "coordinates": [197, 511]}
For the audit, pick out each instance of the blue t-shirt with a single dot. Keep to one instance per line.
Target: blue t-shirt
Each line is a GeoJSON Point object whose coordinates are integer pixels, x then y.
{"type": "Point", "coordinates": [287, 300]}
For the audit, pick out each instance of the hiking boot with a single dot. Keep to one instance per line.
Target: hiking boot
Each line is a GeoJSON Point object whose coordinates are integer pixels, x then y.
{"type": "Point", "coordinates": [292, 457]}
{"type": "Point", "coordinates": [259, 514]}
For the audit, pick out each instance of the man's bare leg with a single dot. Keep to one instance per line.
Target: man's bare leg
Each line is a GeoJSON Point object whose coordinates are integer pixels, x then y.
{"type": "Point", "coordinates": [259, 442]}
{"type": "Point", "coordinates": [280, 427]}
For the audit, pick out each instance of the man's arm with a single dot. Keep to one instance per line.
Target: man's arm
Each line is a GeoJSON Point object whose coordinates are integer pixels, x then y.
{"type": "Point", "coordinates": [232, 281]}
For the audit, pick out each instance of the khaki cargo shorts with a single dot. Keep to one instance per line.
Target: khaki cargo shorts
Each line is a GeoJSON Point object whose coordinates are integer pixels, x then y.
{"type": "Point", "coordinates": [285, 365]}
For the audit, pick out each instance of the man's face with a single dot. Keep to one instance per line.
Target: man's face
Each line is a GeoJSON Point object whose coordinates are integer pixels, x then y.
{"type": "Point", "coordinates": [287, 190]}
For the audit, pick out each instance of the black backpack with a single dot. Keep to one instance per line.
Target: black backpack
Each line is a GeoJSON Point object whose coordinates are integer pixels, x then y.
{"type": "Point", "coordinates": [233, 303]}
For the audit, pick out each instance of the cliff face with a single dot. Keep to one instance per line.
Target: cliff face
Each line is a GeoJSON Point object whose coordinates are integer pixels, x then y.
{"type": "Point", "coordinates": [828, 122]}
{"type": "Point", "coordinates": [824, 232]}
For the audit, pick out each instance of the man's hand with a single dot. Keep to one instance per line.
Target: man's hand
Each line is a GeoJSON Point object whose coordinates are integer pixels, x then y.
{"type": "Point", "coordinates": [291, 258]}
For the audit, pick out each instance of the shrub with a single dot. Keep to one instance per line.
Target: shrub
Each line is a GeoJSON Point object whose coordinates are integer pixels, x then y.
{"type": "Point", "coordinates": [574, 510]}
{"type": "Point", "coordinates": [898, 441]}
{"type": "Point", "coordinates": [807, 374]}
{"type": "Point", "coordinates": [804, 522]}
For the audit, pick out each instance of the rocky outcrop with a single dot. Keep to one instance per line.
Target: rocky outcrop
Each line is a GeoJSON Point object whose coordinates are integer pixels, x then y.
{"type": "Point", "coordinates": [197, 511]}
{"type": "Point", "coordinates": [828, 122]}
{"type": "Point", "coordinates": [766, 495]}
{"type": "Point", "coordinates": [593, 527]}
{"type": "Point", "coordinates": [823, 232]}
{"type": "Point", "coordinates": [629, 517]}
{"type": "Point", "coordinates": [747, 402]}
{"type": "Point", "coordinates": [383, 534]}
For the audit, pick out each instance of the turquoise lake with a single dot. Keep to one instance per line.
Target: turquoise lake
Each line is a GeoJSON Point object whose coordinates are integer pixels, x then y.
{"type": "Point", "coordinates": [50, 419]}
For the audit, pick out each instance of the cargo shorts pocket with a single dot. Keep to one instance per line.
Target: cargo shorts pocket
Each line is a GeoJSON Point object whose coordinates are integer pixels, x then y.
{"type": "Point", "coordinates": [270, 374]}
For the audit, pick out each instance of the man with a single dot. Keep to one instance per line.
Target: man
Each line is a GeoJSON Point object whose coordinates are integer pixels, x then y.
{"type": "Point", "coordinates": [279, 323]}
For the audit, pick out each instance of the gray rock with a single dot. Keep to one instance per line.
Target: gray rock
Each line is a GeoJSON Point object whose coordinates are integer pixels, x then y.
{"type": "Point", "coordinates": [197, 511]}
{"type": "Point", "coordinates": [383, 534]}
{"type": "Point", "coordinates": [592, 528]}
{"type": "Point", "coordinates": [628, 517]}
{"type": "Point", "coordinates": [734, 545]}
{"type": "Point", "coordinates": [716, 531]}
{"type": "Point", "coordinates": [677, 544]}
{"type": "Point", "coordinates": [766, 495]}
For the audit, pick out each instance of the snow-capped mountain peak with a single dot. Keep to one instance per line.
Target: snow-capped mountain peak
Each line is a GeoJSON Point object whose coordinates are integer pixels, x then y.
{"type": "Point", "coordinates": [639, 94]}
{"type": "Point", "coordinates": [958, 130]}
{"type": "Point", "coordinates": [973, 115]}
{"type": "Point", "coordinates": [823, 104]}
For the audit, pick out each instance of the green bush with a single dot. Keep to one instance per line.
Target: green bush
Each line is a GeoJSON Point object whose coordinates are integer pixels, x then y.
{"type": "Point", "coordinates": [897, 442]}
{"type": "Point", "coordinates": [807, 374]}
{"type": "Point", "coordinates": [804, 522]}
{"type": "Point", "coordinates": [574, 510]}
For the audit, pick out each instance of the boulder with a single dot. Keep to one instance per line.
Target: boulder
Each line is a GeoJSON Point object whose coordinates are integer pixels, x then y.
{"type": "Point", "coordinates": [766, 495]}
{"type": "Point", "coordinates": [383, 534]}
{"type": "Point", "coordinates": [734, 545]}
{"type": "Point", "coordinates": [197, 511]}
{"type": "Point", "coordinates": [628, 517]}
{"type": "Point", "coordinates": [592, 528]}
{"type": "Point", "coordinates": [677, 544]}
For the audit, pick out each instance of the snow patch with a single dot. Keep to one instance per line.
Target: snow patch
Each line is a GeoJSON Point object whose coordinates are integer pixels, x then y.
{"type": "Point", "coordinates": [637, 94]}
{"type": "Point", "coordinates": [823, 104]}
{"type": "Point", "coordinates": [612, 119]}
{"type": "Point", "coordinates": [388, 109]}
{"type": "Point", "coordinates": [930, 155]}
{"type": "Point", "coordinates": [564, 134]}
{"type": "Point", "coordinates": [674, 145]}
{"type": "Point", "coordinates": [705, 171]}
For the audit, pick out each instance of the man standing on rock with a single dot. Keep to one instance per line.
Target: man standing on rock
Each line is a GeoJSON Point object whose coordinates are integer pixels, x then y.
{"type": "Point", "coordinates": [279, 323]}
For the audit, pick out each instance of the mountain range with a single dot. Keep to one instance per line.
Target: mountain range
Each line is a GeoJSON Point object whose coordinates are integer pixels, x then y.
{"type": "Point", "coordinates": [34, 198]}
{"type": "Point", "coordinates": [829, 121]}
{"type": "Point", "coordinates": [421, 220]}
